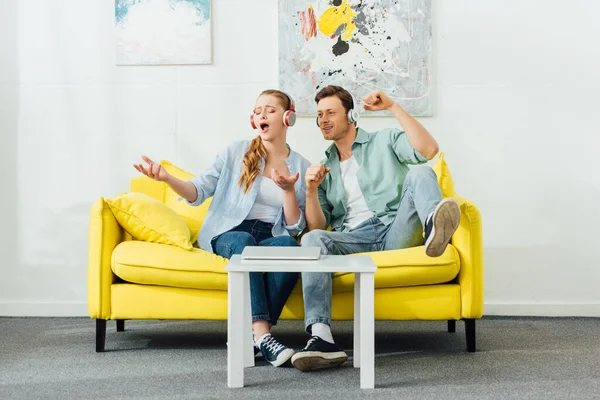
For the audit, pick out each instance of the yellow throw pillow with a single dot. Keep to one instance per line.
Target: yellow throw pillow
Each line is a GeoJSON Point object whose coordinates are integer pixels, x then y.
{"type": "Point", "coordinates": [193, 216]}
{"type": "Point", "coordinates": [147, 219]}
{"type": "Point", "coordinates": [444, 177]}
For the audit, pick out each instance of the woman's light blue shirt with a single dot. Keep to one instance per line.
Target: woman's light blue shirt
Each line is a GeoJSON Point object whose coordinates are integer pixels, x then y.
{"type": "Point", "coordinates": [230, 206]}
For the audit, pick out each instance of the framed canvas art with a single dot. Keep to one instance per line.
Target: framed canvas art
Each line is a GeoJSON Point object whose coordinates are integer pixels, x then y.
{"type": "Point", "coordinates": [163, 32]}
{"type": "Point", "coordinates": [358, 44]}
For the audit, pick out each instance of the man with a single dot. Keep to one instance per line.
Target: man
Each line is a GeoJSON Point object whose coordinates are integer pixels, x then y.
{"type": "Point", "coordinates": [365, 190]}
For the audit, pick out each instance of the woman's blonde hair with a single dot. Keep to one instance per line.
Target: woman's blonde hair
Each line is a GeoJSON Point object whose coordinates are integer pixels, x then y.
{"type": "Point", "coordinates": [253, 158]}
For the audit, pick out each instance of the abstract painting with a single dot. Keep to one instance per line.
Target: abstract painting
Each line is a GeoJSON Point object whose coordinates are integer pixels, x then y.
{"type": "Point", "coordinates": [162, 32]}
{"type": "Point", "coordinates": [358, 44]}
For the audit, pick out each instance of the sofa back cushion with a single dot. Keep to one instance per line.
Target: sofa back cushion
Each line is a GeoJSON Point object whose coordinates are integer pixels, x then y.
{"type": "Point", "coordinates": [444, 177]}
{"type": "Point", "coordinates": [193, 216]}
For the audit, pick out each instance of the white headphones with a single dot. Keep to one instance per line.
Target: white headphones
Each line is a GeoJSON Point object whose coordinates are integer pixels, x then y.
{"type": "Point", "coordinates": [289, 117]}
{"type": "Point", "coordinates": [353, 113]}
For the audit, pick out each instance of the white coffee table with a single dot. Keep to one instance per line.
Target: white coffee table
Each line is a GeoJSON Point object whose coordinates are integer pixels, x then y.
{"type": "Point", "coordinates": [239, 322]}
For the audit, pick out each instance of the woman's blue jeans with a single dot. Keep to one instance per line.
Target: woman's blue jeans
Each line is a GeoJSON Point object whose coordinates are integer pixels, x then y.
{"type": "Point", "coordinates": [268, 291]}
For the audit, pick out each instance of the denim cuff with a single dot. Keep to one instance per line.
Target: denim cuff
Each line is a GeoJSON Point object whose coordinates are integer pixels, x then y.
{"type": "Point", "coordinates": [261, 317]}
{"type": "Point", "coordinates": [311, 321]}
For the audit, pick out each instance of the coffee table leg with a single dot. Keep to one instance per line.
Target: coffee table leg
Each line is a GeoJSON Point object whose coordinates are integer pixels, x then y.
{"type": "Point", "coordinates": [248, 340]}
{"type": "Point", "coordinates": [356, 352]}
{"type": "Point", "coordinates": [367, 330]}
{"type": "Point", "coordinates": [235, 329]}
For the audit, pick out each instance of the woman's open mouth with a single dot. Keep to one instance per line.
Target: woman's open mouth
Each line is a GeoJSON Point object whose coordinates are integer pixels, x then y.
{"type": "Point", "coordinates": [264, 127]}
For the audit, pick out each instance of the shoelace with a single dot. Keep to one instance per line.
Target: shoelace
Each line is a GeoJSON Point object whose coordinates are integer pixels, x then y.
{"type": "Point", "coordinates": [273, 345]}
{"type": "Point", "coordinates": [310, 341]}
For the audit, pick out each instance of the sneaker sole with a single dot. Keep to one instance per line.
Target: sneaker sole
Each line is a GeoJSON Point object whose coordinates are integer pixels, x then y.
{"type": "Point", "coordinates": [446, 218]}
{"type": "Point", "coordinates": [312, 360]}
{"type": "Point", "coordinates": [283, 358]}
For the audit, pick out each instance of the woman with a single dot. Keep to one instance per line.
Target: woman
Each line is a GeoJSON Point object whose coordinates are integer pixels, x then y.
{"type": "Point", "coordinates": [258, 194]}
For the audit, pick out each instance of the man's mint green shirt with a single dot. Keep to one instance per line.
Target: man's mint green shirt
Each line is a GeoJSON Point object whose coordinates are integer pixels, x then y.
{"type": "Point", "coordinates": [383, 158]}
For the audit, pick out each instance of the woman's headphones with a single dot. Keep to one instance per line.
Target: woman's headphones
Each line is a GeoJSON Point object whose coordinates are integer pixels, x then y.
{"type": "Point", "coordinates": [353, 113]}
{"type": "Point", "coordinates": [289, 117]}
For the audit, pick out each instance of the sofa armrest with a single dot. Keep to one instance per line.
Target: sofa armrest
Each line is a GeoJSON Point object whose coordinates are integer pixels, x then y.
{"type": "Point", "coordinates": [468, 241]}
{"type": "Point", "coordinates": [104, 235]}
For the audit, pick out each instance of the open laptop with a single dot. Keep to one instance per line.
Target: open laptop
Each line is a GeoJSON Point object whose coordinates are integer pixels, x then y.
{"type": "Point", "coordinates": [280, 253]}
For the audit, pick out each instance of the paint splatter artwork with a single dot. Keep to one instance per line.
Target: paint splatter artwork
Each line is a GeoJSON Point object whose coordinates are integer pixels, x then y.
{"type": "Point", "coordinates": [358, 44]}
{"type": "Point", "coordinates": [159, 32]}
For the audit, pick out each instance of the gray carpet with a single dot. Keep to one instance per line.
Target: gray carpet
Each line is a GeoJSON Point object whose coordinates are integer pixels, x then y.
{"type": "Point", "coordinates": [517, 358]}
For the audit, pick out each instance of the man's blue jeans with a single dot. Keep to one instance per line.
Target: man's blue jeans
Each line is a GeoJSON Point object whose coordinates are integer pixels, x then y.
{"type": "Point", "coordinates": [420, 195]}
{"type": "Point", "coordinates": [268, 291]}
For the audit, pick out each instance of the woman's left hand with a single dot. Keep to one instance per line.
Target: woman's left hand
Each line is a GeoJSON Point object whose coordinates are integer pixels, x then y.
{"type": "Point", "coordinates": [285, 183]}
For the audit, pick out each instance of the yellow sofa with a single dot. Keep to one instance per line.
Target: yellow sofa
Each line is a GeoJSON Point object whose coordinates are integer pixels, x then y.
{"type": "Point", "coordinates": [129, 279]}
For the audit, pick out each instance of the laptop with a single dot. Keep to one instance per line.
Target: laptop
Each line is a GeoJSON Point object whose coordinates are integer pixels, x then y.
{"type": "Point", "coordinates": [280, 253]}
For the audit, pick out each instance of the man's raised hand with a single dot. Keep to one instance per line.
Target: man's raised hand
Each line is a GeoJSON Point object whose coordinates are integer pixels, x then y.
{"type": "Point", "coordinates": [376, 100]}
{"type": "Point", "coordinates": [314, 176]}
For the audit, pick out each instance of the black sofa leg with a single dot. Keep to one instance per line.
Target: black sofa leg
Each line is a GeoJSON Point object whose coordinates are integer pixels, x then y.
{"type": "Point", "coordinates": [451, 326]}
{"type": "Point", "coordinates": [120, 325]}
{"type": "Point", "coordinates": [100, 335]}
{"type": "Point", "coordinates": [470, 331]}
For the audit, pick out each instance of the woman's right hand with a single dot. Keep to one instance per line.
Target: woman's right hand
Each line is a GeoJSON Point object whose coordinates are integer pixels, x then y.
{"type": "Point", "coordinates": [153, 170]}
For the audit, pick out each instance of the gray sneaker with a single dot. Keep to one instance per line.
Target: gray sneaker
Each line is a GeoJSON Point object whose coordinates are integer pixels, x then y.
{"type": "Point", "coordinates": [440, 226]}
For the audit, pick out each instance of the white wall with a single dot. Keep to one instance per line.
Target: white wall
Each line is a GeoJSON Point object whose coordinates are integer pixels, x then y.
{"type": "Point", "coordinates": [516, 113]}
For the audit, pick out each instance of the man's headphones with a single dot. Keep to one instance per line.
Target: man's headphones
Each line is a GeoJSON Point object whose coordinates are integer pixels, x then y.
{"type": "Point", "coordinates": [289, 117]}
{"type": "Point", "coordinates": [353, 113]}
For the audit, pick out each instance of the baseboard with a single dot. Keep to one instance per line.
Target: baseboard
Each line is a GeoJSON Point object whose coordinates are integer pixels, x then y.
{"type": "Point", "coordinates": [43, 309]}
{"type": "Point", "coordinates": [79, 309]}
{"type": "Point", "coordinates": [543, 309]}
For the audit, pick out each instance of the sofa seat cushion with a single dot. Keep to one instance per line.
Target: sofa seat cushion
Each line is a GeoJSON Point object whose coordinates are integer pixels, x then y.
{"type": "Point", "coordinates": [163, 265]}
{"type": "Point", "coordinates": [406, 267]}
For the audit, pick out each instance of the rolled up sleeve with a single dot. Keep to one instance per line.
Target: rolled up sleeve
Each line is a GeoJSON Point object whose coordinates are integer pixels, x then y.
{"type": "Point", "coordinates": [206, 182]}
{"type": "Point", "coordinates": [403, 149]}
{"type": "Point", "coordinates": [298, 227]}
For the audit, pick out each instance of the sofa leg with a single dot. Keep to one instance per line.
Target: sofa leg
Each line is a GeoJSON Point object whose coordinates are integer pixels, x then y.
{"type": "Point", "coordinates": [451, 326]}
{"type": "Point", "coordinates": [120, 325]}
{"type": "Point", "coordinates": [470, 331]}
{"type": "Point", "coordinates": [100, 335]}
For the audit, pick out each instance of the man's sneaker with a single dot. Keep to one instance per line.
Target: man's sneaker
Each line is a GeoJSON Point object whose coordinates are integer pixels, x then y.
{"type": "Point", "coordinates": [440, 226]}
{"type": "Point", "coordinates": [318, 354]}
{"type": "Point", "coordinates": [274, 352]}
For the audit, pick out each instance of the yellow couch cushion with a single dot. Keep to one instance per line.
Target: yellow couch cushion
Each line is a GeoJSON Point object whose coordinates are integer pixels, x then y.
{"type": "Point", "coordinates": [444, 177]}
{"type": "Point", "coordinates": [146, 218]}
{"type": "Point", "coordinates": [193, 216]}
{"type": "Point", "coordinates": [407, 267]}
{"type": "Point", "coordinates": [158, 264]}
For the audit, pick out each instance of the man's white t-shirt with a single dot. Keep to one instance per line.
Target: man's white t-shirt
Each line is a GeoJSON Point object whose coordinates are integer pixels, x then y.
{"type": "Point", "coordinates": [269, 201]}
{"type": "Point", "coordinates": [357, 210]}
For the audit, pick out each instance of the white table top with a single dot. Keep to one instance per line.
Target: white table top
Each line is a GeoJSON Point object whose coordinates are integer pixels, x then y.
{"type": "Point", "coordinates": [324, 264]}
